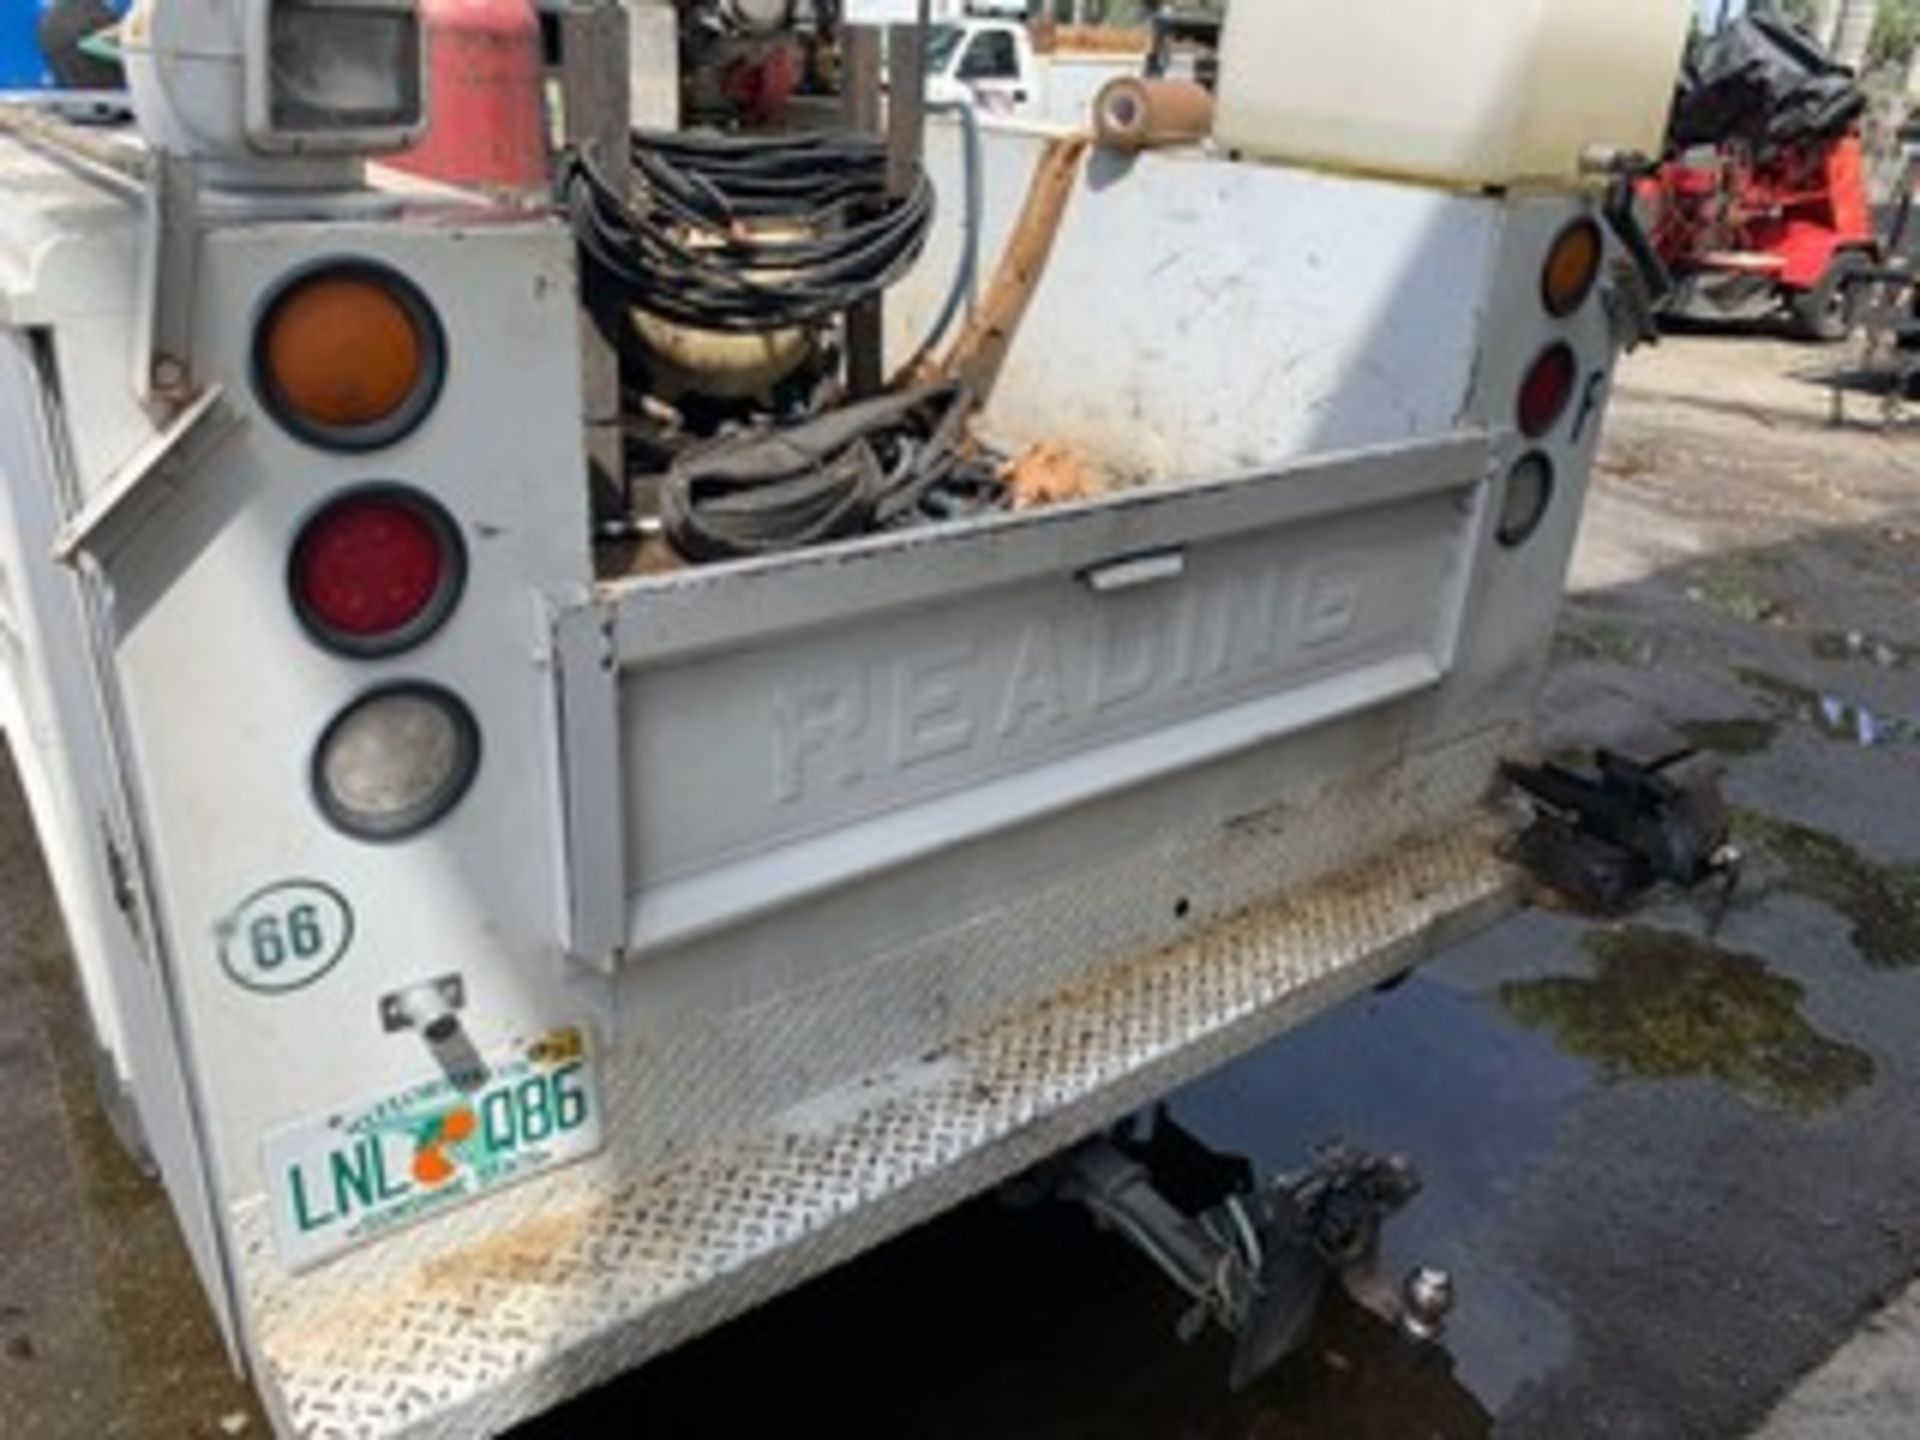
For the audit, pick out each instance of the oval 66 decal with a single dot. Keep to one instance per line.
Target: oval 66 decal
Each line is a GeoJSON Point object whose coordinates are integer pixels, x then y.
{"type": "Point", "coordinates": [286, 936]}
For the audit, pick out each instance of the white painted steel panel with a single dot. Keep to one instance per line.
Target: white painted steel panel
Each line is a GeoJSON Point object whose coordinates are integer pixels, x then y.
{"type": "Point", "coordinates": [759, 773]}
{"type": "Point", "coordinates": [61, 722]}
{"type": "Point", "coordinates": [1200, 320]}
{"type": "Point", "coordinates": [228, 695]}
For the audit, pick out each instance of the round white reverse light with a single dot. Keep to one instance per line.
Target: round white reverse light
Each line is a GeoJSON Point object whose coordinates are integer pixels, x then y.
{"type": "Point", "coordinates": [396, 761]}
{"type": "Point", "coordinates": [1526, 499]}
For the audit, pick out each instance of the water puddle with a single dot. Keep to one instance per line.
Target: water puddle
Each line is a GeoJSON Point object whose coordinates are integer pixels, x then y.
{"type": "Point", "coordinates": [1838, 717]}
{"type": "Point", "coordinates": [1731, 738]}
{"type": "Point", "coordinates": [1858, 647]}
{"type": "Point", "coordinates": [1020, 1322]}
{"type": "Point", "coordinates": [1031, 1322]}
{"type": "Point", "coordinates": [1436, 1073]}
{"type": "Point", "coordinates": [1882, 902]}
{"type": "Point", "coordinates": [1664, 1006]}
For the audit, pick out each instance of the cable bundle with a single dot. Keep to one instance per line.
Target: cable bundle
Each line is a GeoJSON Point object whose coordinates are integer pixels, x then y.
{"type": "Point", "coordinates": [749, 233]}
{"type": "Point", "coordinates": [896, 460]}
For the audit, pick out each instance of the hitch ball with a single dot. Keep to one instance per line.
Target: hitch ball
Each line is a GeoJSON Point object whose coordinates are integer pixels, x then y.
{"type": "Point", "coordinates": [1427, 1297]}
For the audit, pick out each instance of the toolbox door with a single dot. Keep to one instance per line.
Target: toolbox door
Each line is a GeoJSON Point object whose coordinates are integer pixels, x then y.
{"type": "Point", "coordinates": [745, 738]}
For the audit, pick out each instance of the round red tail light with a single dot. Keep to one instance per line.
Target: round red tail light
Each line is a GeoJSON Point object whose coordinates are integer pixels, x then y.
{"type": "Point", "coordinates": [376, 571]}
{"type": "Point", "coordinates": [1547, 390]}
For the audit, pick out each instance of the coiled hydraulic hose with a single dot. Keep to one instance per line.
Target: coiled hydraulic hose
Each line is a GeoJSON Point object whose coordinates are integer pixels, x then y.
{"type": "Point", "coordinates": [748, 234]}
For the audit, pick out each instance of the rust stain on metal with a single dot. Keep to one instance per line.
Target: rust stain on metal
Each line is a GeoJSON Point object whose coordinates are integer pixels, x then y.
{"type": "Point", "coordinates": [536, 1253]}
{"type": "Point", "coordinates": [615, 1266]}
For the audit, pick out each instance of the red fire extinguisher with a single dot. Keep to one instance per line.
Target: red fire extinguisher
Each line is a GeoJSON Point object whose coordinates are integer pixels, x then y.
{"type": "Point", "coordinates": [484, 127]}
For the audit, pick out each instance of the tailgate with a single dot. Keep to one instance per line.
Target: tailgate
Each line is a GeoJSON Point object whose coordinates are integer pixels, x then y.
{"type": "Point", "coordinates": [740, 740]}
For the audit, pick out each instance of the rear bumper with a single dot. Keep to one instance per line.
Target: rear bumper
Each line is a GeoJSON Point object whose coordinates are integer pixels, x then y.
{"type": "Point", "coordinates": [609, 1268]}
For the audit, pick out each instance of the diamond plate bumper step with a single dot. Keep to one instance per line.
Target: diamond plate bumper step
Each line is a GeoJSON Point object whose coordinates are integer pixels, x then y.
{"type": "Point", "coordinates": [618, 1267]}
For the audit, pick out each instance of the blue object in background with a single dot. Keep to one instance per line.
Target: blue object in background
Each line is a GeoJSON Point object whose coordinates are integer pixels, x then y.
{"type": "Point", "coordinates": [22, 67]}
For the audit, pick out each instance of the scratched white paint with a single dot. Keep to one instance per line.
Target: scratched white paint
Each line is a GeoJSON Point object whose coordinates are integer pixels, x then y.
{"type": "Point", "coordinates": [1254, 314]}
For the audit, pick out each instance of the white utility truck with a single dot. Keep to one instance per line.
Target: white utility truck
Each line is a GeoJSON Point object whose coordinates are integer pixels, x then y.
{"type": "Point", "coordinates": [995, 66]}
{"type": "Point", "coordinates": [516, 963]}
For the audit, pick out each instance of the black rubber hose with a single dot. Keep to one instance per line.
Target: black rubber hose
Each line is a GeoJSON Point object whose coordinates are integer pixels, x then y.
{"type": "Point", "coordinates": [691, 245]}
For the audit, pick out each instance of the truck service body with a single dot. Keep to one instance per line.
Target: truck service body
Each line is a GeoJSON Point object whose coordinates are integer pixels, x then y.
{"type": "Point", "coordinates": [780, 904]}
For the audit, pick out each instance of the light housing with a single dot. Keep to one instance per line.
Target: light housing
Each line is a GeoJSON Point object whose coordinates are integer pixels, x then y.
{"type": "Point", "coordinates": [1572, 268]}
{"type": "Point", "coordinates": [376, 571]}
{"type": "Point", "coordinates": [349, 355]}
{"type": "Point", "coordinates": [1525, 499]}
{"type": "Point", "coordinates": [276, 95]}
{"type": "Point", "coordinates": [1547, 390]}
{"type": "Point", "coordinates": [335, 76]}
{"type": "Point", "coordinates": [396, 761]}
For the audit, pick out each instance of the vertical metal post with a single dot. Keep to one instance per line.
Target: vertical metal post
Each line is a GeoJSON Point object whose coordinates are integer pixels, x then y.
{"type": "Point", "coordinates": [598, 106]}
{"type": "Point", "coordinates": [860, 88]}
{"type": "Point", "coordinates": [905, 123]}
{"type": "Point", "coordinates": [906, 102]}
{"type": "Point", "coordinates": [860, 112]}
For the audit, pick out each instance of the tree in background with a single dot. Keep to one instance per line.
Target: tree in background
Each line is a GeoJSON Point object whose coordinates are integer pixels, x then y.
{"type": "Point", "coordinates": [1896, 29]}
{"type": "Point", "coordinates": [1896, 35]}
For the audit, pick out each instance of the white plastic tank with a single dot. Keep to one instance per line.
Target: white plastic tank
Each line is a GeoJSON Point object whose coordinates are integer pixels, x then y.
{"type": "Point", "coordinates": [1466, 92]}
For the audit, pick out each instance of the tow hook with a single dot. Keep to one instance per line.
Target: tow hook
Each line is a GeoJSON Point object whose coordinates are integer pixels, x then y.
{"type": "Point", "coordinates": [1258, 1260]}
{"type": "Point", "coordinates": [1605, 838]}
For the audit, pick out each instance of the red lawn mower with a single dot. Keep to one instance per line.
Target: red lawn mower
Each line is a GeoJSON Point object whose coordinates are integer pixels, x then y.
{"type": "Point", "coordinates": [1761, 204]}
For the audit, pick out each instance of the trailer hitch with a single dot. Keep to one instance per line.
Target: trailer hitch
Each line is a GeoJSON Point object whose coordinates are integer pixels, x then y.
{"type": "Point", "coordinates": [1258, 1260]}
{"type": "Point", "coordinates": [1605, 838]}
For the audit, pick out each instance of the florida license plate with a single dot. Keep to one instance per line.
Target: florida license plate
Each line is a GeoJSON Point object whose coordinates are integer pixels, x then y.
{"type": "Point", "coordinates": [341, 1180]}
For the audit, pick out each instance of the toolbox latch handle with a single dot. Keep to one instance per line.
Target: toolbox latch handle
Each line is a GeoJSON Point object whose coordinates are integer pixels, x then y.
{"type": "Point", "coordinates": [1135, 571]}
